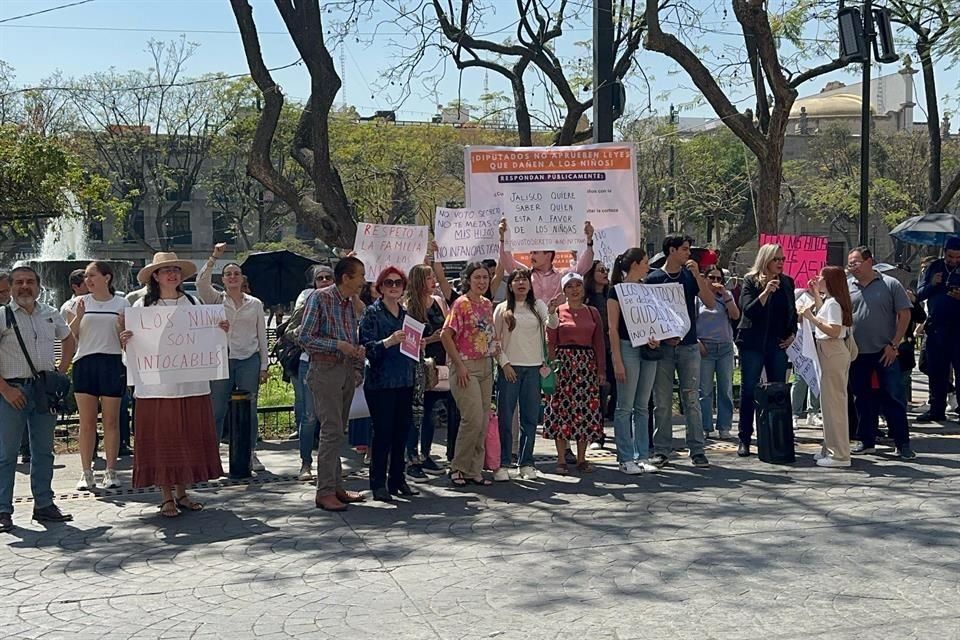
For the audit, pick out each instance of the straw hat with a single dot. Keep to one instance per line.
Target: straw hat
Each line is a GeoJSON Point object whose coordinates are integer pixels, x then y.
{"type": "Point", "coordinates": [166, 259]}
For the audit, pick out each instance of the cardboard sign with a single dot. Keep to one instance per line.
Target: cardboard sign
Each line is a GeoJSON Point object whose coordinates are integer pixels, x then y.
{"type": "Point", "coordinates": [389, 245]}
{"type": "Point", "coordinates": [467, 234]}
{"type": "Point", "coordinates": [657, 311]}
{"type": "Point", "coordinates": [806, 255]}
{"type": "Point", "coordinates": [609, 243]}
{"type": "Point", "coordinates": [412, 338]}
{"type": "Point", "coordinates": [176, 344]}
{"type": "Point", "coordinates": [803, 354]}
{"type": "Point", "coordinates": [548, 193]}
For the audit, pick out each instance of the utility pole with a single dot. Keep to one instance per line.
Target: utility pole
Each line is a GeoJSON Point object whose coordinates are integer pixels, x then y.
{"type": "Point", "coordinates": [603, 86]}
{"type": "Point", "coordinates": [865, 121]}
{"type": "Point", "coordinates": [671, 190]}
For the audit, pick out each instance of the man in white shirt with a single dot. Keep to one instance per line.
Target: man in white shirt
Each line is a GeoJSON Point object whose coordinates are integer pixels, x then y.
{"type": "Point", "coordinates": [79, 287]}
{"type": "Point", "coordinates": [40, 326]}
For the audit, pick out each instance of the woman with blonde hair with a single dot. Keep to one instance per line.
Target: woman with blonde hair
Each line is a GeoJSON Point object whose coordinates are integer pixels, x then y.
{"type": "Point", "coordinates": [832, 322]}
{"type": "Point", "coordinates": [768, 326]}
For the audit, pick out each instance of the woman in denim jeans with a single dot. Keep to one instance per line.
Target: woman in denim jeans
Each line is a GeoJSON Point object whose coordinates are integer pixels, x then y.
{"type": "Point", "coordinates": [715, 334]}
{"type": "Point", "coordinates": [520, 322]}
{"type": "Point", "coordinates": [635, 369]}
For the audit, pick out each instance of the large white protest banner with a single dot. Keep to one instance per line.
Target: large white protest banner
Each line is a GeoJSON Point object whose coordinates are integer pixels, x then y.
{"type": "Point", "coordinates": [547, 193]}
{"type": "Point", "coordinates": [609, 243]}
{"type": "Point", "coordinates": [467, 234]}
{"type": "Point", "coordinates": [176, 344]}
{"type": "Point", "coordinates": [389, 245]}
{"type": "Point", "coordinates": [657, 311]}
{"type": "Point", "coordinates": [802, 352]}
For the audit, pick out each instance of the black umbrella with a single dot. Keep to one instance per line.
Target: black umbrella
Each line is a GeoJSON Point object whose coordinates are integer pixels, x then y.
{"type": "Point", "coordinates": [276, 277]}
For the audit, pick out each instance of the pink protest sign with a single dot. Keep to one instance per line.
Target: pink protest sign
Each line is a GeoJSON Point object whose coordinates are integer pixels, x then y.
{"type": "Point", "coordinates": [806, 255]}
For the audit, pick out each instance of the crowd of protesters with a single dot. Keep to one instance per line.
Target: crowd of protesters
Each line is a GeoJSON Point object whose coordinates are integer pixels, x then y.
{"type": "Point", "coordinates": [513, 349]}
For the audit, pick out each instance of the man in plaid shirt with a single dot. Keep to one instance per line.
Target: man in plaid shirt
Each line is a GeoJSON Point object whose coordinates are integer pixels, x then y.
{"type": "Point", "coordinates": [328, 334]}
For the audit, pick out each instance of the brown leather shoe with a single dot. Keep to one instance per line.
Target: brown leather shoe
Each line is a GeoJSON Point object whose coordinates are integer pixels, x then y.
{"type": "Point", "coordinates": [349, 497]}
{"type": "Point", "coordinates": [330, 503]}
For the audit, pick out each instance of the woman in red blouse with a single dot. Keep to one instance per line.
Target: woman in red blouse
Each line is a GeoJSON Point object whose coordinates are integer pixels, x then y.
{"type": "Point", "coordinates": [579, 357]}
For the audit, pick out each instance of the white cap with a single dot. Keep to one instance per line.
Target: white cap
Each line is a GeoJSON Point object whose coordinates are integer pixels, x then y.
{"type": "Point", "coordinates": [570, 277]}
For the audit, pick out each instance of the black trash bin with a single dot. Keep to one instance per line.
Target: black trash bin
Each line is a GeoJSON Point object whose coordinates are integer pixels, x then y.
{"type": "Point", "coordinates": [238, 424]}
{"type": "Point", "coordinates": [775, 424]}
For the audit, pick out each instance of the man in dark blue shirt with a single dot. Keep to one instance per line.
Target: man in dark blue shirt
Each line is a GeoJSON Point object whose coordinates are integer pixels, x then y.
{"type": "Point", "coordinates": [680, 355]}
{"type": "Point", "coordinates": [941, 291]}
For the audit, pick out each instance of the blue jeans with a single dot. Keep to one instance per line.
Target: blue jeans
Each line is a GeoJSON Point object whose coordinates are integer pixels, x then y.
{"type": "Point", "coordinates": [683, 359]}
{"type": "Point", "coordinates": [718, 362]}
{"type": "Point", "coordinates": [307, 422]}
{"type": "Point", "coordinates": [943, 354]}
{"type": "Point", "coordinates": [301, 394]}
{"type": "Point", "coordinates": [525, 392]}
{"type": "Point", "coordinates": [752, 364]}
{"type": "Point", "coordinates": [632, 411]}
{"type": "Point", "coordinates": [40, 428]}
{"type": "Point", "coordinates": [245, 376]}
{"type": "Point", "coordinates": [890, 399]}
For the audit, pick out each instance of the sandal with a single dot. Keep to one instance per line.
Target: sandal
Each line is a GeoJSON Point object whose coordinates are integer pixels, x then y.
{"type": "Point", "coordinates": [186, 503]}
{"type": "Point", "coordinates": [585, 467]}
{"type": "Point", "coordinates": [457, 479]}
{"type": "Point", "coordinates": [169, 513]}
{"type": "Point", "coordinates": [480, 482]}
{"type": "Point", "coordinates": [562, 469]}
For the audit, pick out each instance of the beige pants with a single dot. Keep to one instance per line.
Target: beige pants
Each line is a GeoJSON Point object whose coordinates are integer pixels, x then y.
{"type": "Point", "coordinates": [332, 386]}
{"type": "Point", "coordinates": [473, 401]}
{"type": "Point", "coordinates": [834, 371]}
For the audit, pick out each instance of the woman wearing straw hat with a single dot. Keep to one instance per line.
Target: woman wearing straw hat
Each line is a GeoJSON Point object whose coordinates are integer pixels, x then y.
{"type": "Point", "coordinates": [176, 436]}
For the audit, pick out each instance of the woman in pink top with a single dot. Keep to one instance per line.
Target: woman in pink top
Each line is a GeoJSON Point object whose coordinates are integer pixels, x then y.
{"type": "Point", "coordinates": [468, 338]}
{"type": "Point", "coordinates": [577, 350]}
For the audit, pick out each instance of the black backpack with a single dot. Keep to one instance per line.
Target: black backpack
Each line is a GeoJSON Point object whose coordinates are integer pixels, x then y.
{"type": "Point", "coordinates": [286, 349]}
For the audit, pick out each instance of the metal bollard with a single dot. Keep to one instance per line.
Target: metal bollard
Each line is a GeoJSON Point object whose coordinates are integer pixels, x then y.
{"type": "Point", "coordinates": [238, 422]}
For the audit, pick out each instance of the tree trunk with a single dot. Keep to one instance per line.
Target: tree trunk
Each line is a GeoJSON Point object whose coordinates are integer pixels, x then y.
{"type": "Point", "coordinates": [768, 188]}
{"type": "Point", "coordinates": [934, 179]}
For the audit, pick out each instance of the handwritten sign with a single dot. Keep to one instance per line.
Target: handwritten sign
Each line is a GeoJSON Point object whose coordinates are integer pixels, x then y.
{"type": "Point", "coordinates": [806, 255]}
{"type": "Point", "coordinates": [412, 338]}
{"type": "Point", "coordinates": [657, 311]}
{"type": "Point", "coordinates": [609, 243]}
{"type": "Point", "coordinates": [389, 245]}
{"type": "Point", "coordinates": [548, 193]}
{"type": "Point", "coordinates": [803, 354]}
{"type": "Point", "coordinates": [176, 344]}
{"type": "Point", "coordinates": [467, 234]}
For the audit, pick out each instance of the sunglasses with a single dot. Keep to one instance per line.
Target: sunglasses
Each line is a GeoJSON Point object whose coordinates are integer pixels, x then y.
{"type": "Point", "coordinates": [392, 283]}
{"type": "Point", "coordinates": [602, 269]}
{"type": "Point", "coordinates": [779, 259]}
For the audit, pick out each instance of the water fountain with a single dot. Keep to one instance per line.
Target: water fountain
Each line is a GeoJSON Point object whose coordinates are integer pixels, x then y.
{"type": "Point", "coordinates": [63, 249]}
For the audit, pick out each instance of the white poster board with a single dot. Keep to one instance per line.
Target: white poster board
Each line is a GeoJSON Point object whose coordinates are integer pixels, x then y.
{"type": "Point", "coordinates": [467, 234]}
{"type": "Point", "coordinates": [608, 243]}
{"type": "Point", "coordinates": [380, 246]}
{"type": "Point", "coordinates": [803, 354]}
{"type": "Point", "coordinates": [176, 344]}
{"type": "Point", "coordinates": [547, 193]}
{"type": "Point", "coordinates": [657, 311]}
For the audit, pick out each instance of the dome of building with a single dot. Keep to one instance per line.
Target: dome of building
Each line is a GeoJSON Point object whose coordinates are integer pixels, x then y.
{"type": "Point", "coordinates": [837, 105]}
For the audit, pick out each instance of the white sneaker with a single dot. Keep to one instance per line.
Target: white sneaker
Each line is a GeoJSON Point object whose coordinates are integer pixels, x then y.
{"type": "Point", "coordinates": [646, 467]}
{"type": "Point", "coordinates": [529, 473]}
{"type": "Point", "coordinates": [595, 446]}
{"type": "Point", "coordinates": [829, 461]}
{"type": "Point", "coordinates": [820, 455]}
{"type": "Point", "coordinates": [305, 473]}
{"type": "Point", "coordinates": [255, 463]}
{"type": "Point", "coordinates": [86, 482]}
{"type": "Point", "coordinates": [501, 475]}
{"type": "Point", "coordinates": [814, 420]}
{"type": "Point", "coordinates": [110, 480]}
{"type": "Point", "coordinates": [630, 468]}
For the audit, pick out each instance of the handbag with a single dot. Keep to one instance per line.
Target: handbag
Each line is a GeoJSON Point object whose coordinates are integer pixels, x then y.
{"type": "Point", "coordinates": [50, 388]}
{"type": "Point", "coordinates": [851, 344]}
{"type": "Point", "coordinates": [430, 375]}
{"type": "Point", "coordinates": [443, 378]}
{"type": "Point", "coordinates": [548, 372]}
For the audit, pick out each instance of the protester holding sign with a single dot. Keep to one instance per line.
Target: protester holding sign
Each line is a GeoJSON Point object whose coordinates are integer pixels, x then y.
{"type": "Point", "coordinates": [767, 328]}
{"type": "Point", "coordinates": [387, 386]}
{"type": "Point", "coordinates": [577, 352]}
{"type": "Point", "coordinates": [546, 279]}
{"type": "Point", "coordinates": [681, 356]}
{"type": "Point", "coordinates": [99, 377]}
{"type": "Point", "coordinates": [176, 434]}
{"type": "Point", "coordinates": [469, 339]}
{"type": "Point", "coordinates": [634, 369]}
{"type": "Point", "coordinates": [247, 348]}
{"type": "Point", "coordinates": [715, 334]}
{"type": "Point", "coordinates": [520, 322]}
{"type": "Point", "coordinates": [832, 322]}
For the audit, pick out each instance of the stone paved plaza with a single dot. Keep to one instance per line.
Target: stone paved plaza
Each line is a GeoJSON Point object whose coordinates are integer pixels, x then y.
{"type": "Point", "coordinates": [740, 550]}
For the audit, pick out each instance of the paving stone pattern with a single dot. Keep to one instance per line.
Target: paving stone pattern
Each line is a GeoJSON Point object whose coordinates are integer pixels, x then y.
{"type": "Point", "coordinates": [740, 550]}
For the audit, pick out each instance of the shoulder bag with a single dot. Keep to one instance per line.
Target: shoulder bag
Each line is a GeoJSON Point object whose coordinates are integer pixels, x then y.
{"type": "Point", "coordinates": [50, 388]}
